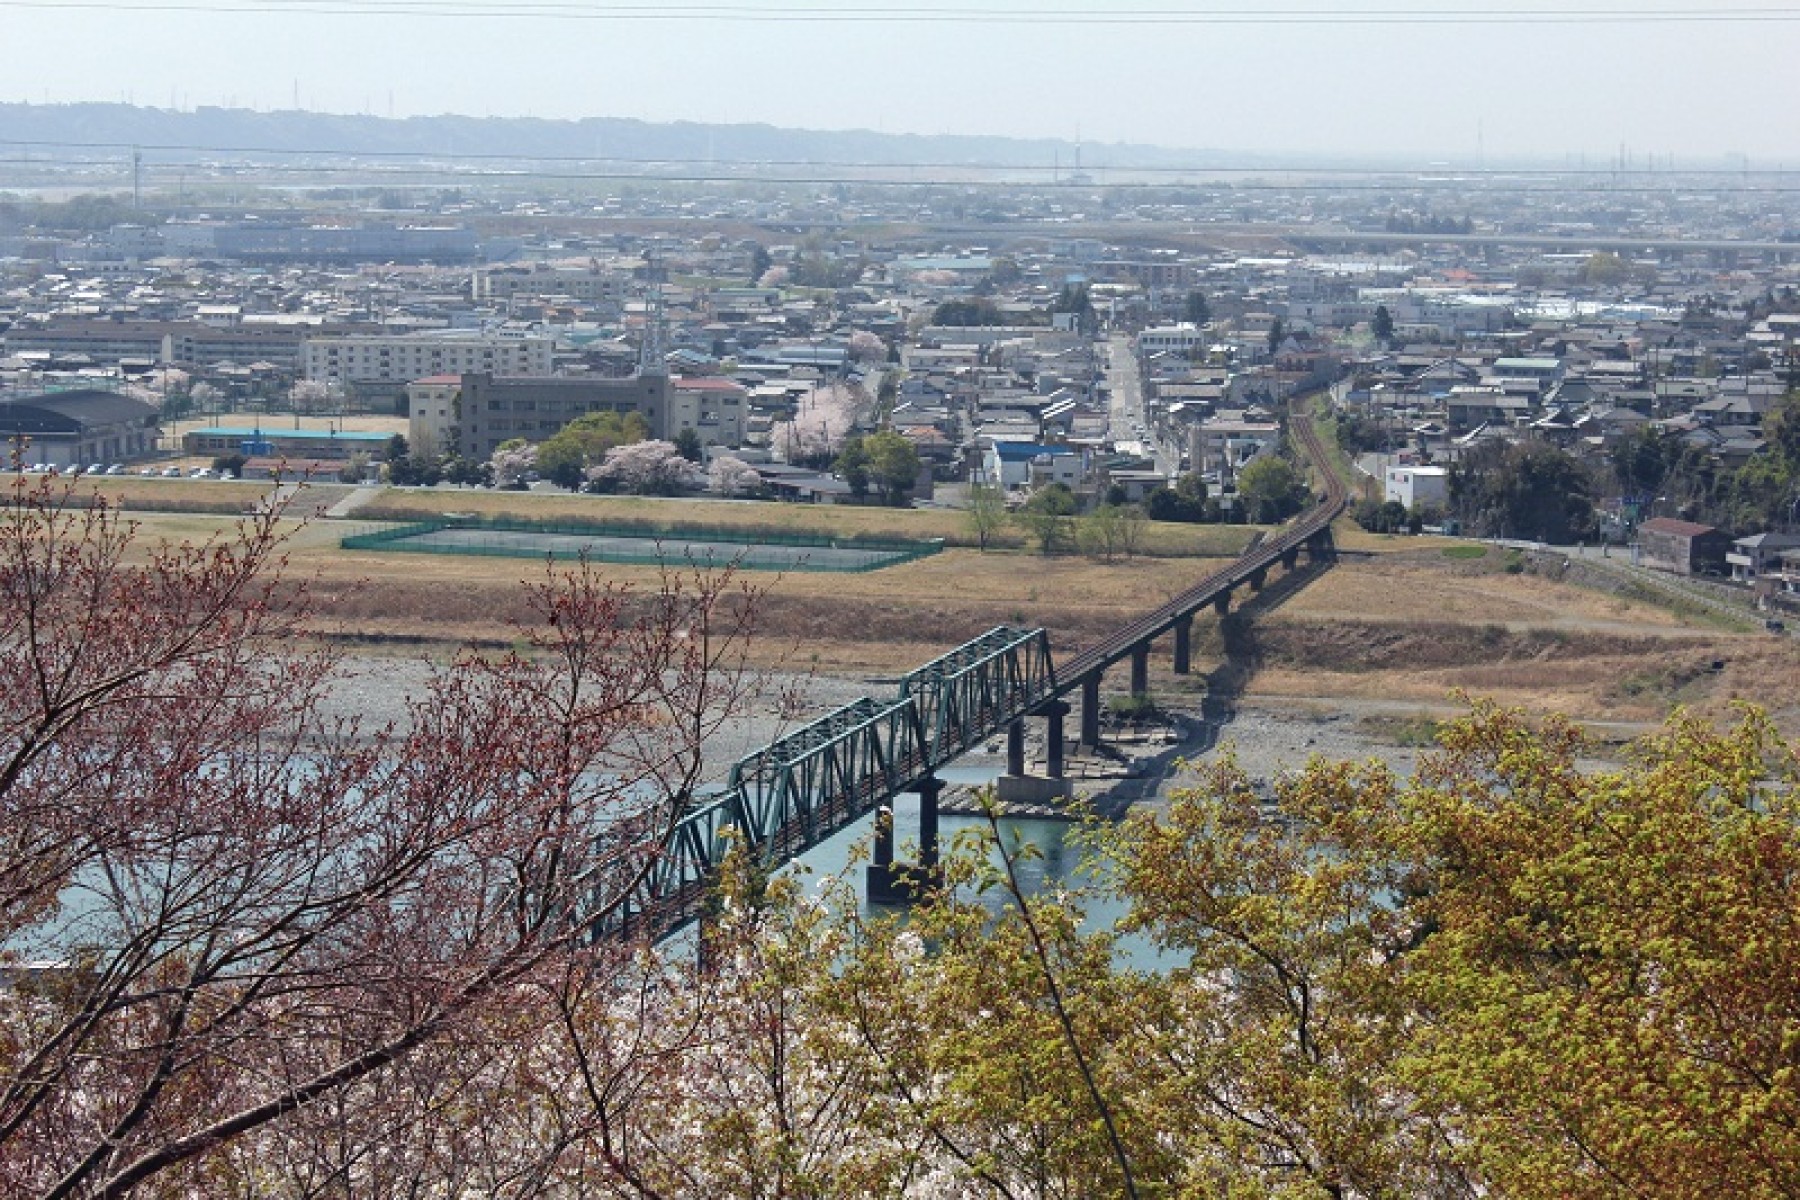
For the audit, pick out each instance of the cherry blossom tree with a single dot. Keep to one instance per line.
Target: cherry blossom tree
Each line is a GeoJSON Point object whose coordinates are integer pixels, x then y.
{"type": "Point", "coordinates": [649, 468]}
{"type": "Point", "coordinates": [512, 461]}
{"type": "Point", "coordinates": [228, 915]}
{"type": "Point", "coordinates": [729, 476]}
{"type": "Point", "coordinates": [867, 347]}
{"type": "Point", "coordinates": [822, 420]}
{"type": "Point", "coordinates": [310, 395]}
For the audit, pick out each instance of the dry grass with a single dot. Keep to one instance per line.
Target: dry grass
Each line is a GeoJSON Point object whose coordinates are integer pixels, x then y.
{"type": "Point", "coordinates": [1393, 630]}
{"type": "Point", "coordinates": [828, 520]}
{"type": "Point", "coordinates": [1429, 587]}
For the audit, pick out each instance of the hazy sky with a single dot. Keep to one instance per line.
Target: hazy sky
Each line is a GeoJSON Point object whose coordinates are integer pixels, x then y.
{"type": "Point", "coordinates": [1311, 76]}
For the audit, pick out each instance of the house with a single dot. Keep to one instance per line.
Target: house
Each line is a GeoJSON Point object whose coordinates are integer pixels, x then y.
{"type": "Point", "coordinates": [1410, 485]}
{"type": "Point", "coordinates": [1759, 554]}
{"type": "Point", "coordinates": [1030, 464]}
{"type": "Point", "coordinates": [1681, 547]}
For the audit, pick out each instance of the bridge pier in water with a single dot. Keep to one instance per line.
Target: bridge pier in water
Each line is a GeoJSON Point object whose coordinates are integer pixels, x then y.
{"type": "Point", "coordinates": [1053, 784]}
{"type": "Point", "coordinates": [889, 882]}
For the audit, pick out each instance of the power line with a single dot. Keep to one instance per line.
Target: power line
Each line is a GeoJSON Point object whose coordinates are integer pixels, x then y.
{"type": "Point", "coordinates": [553, 10]}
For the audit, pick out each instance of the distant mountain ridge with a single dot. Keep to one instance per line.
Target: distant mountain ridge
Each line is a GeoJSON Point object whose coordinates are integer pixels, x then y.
{"type": "Point", "coordinates": [74, 127]}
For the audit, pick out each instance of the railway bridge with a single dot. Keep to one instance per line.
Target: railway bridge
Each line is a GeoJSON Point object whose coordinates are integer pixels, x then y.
{"type": "Point", "coordinates": [794, 793]}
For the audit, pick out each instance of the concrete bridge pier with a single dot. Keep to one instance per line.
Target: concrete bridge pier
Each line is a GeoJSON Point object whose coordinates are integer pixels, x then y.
{"type": "Point", "coordinates": [1053, 784]}
{"type": "Point", "coordinates": [1222, 603]}
{"type": "Point", "coordinates": [1090, 711]}
{"type": "Point", "coordinates": [1257, 578]}
{"type": "Point", "coordinates": [1184, 637]}
{"type": "Point", "coordinates": [890, 882]}
{"type": "Point", "coordinates": [1140, 669]}
{"type": "Point", "coordinates": [1290, 558]}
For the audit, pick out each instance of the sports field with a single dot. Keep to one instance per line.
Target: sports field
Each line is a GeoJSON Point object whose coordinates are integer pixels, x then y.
{"type": "Point", "coordinates": [716, 548]}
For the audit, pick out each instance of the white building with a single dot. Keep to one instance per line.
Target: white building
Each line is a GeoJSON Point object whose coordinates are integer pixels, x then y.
{"type": "Point", "coordinates": [402, 358]}
{"type": "Point", "coordinates": [1417, 485]}
{"type": "Point", "coordinates": [431, 413]}
{"type": "Point", "coordinates": [1172, 339]}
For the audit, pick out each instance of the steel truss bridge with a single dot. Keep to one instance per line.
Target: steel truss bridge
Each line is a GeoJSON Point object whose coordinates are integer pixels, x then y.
{"type": "Point", "coordinates": [796, 792]}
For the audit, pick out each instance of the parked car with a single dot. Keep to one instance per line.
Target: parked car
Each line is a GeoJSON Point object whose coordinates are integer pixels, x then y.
{"type": "Point", "coordinates": [171, 472]}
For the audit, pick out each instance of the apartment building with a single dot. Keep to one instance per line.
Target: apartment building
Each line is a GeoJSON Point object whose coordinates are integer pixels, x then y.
{"type": "Point", "coordinates": [398, 359]}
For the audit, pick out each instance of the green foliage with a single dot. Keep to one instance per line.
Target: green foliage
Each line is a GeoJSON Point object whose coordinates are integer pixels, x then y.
{"type": "Point", "coordinates": [1112, 531]}
{"type": "Point", "coordinates": [1047, 517]}
{"type": "Point", "coordinates": [687, 444]}
{"type": "Point", "coordinates": [583, 442]}
{"type": "Point", "coordinates": [978, 311]}
{"type": "Point", "coordinates": [760, 261]}
{"type": "Point", "coordinates": [1379, 517]}
{"type": "Point", "coordinates": [1270, 489]}
{"type": "Point", "coordinates": [1527, 490]}
{"type": "Point", "coordinates": [986, 512]}
{"type": "Point", "coordinates": [1196, 310]}
{"type": "Point", "coordinates": [1381, 325]}
{"type": "Point", "coordinates": [1187, 501]}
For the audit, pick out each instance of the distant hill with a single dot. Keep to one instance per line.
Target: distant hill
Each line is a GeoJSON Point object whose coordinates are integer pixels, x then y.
{"type": "Point", "coordinates": [244, 131]}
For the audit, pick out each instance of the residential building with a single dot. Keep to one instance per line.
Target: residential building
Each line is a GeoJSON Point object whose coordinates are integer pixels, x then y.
{"type": "Point", "coordinates": [1681, 547]}
{"type": "Point", "coordinates": [1410, 485]}
{"type": "Point", "coordinates": [431, 410]}
{"type": "Point", "coordinates": [401, 358]}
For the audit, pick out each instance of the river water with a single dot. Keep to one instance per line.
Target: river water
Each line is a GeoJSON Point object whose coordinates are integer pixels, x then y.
{"type": "Point", "coordinates": [1051, 862]}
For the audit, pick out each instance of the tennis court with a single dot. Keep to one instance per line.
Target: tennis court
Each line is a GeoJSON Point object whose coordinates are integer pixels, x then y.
{"type": "Point", "coordinates": [708, 548]}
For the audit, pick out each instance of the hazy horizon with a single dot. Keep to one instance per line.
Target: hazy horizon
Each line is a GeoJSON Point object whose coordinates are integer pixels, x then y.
{"type": "Point", "coordinates": [1457, 80]}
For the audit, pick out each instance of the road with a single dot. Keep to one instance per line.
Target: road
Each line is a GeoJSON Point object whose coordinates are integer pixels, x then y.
{"type": "Point", "coordinates": [1125, 417]}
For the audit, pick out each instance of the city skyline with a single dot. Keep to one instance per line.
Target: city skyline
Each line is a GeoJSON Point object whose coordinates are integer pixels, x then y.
{"type": "Point", "coordinates": [1615, 80]}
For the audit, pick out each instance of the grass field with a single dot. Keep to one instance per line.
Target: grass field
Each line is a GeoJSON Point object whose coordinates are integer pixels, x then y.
{"type": "Point", "coordinates": [1405, 625]}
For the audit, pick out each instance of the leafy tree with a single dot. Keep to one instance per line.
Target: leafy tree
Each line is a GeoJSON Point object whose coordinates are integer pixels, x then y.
{"type": "Point", "coordinates": [760, 262]}
{"type": "Point", "coordinates": [986, 512]}
{"type": "Point", "coordinates": [893, 465]}
{"type": "Point", "coordinates": [1529, 490]}
{"type": "Point", "coordinates": [1277, 334]}
{"type": "Point", "coordinates": [1047, 516]}
{"type": "Point", "coordinates": [1604, 954]}
{"type": "Point", "coordinates": [1379, 517]}
{"type": "Point", "coordinates": [1196, 310]}
{"type": "Point", "coordinates": [1113, 531]}
{"type": "Point", "coordinates": [1270, 489]}
{"type": "Point", "coordinates": [687, 444]}
{"type": "Point", "coordinates": [1382, 324]}
{"type": "Point", "coordinates": [565, 456]}
{"type": "Point", "coordinates": [396, 447]}
{"type": "Point", "coordinates": [852, 463]}
{"type": "Point", "coordinates": [977, 311]}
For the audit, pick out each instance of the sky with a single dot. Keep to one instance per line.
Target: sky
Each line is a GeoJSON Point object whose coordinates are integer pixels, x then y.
{"type": "Point", "coordinates": [1681, 81]}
